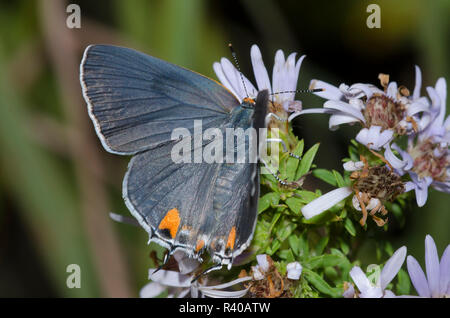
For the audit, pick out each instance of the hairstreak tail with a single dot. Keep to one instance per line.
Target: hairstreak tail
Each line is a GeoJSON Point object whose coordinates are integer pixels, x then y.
{"type": "Point", "coordinates": [135, 101]}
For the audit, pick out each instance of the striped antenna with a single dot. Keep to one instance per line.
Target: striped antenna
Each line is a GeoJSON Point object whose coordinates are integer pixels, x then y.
{"type": "Point", "coordinates": [233, 54]}
{"type": "Point", "coordinates": [315, 90]}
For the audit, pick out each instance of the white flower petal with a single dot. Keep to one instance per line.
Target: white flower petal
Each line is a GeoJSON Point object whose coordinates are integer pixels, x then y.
{"type": "Point", "coordinates": [373, 138]}
{"type": "Point", "coordinates": [392, 90]}
{"type": "Point", "coordinates": [417, 276]}
{"type": "Point", "coordinates": [353, 165]}
{"type": "Point", "coordinates": [432, 266]}
{"type": "Point", "coordinates": [260, 71]}
{"type": "Point", "coordinates": [263, 262]}
{"type": "Point", "coordinates": [336, 120]}
{"type": "Point", "coordinates": [345, 108]}
{"type": "Point", "coordinates": [362, 282]}
{"type": "Point", "coordinates": [350, 292]}
{"type": "Point", "coordinates": [186, 264]}
{"type": "Point", "coordinates": [392, 267]}
{"type": "Point", "coordinates": [392, 159]}
{"type": "Point", "coordinates": [294, 270]}
{"type": "Point", "coordinates": [151, 290]}
{"type": "Point", "coordinates": [224, 80]}
{"type": "Point", "coordinates": [229, 284]}
{"type": "Point", "coordinates": [279, 79]}
{"type": "Point", "coordinates": [325, 202]}
{"type": "Point", "coordinates": [330, 91]}
{"type": "Point", "coordinates": [418, 85]}
{"type": "Point", "coordinates": [170, 278]}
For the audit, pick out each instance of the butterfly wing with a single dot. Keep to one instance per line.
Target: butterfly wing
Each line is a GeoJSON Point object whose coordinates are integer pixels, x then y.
{"type": "Point", "coordinates": [195, 206]}
{"type": "Point", "coordinates": [135, 101]}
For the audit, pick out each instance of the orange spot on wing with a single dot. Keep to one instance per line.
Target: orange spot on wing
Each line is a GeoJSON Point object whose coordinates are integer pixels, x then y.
{"type": "Point", "coordinates": [171, 222]}
{"type": "Point", "coordinates": [200, 244]}
{"type": "Point", "coordinates": [231, 238]}
{"type": "Point", "coordinates": [249, 100]}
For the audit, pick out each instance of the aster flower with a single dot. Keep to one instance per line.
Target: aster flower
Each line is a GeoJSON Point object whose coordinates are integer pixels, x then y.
{"type": "Point", "coordinates": [179, 284]}
{"type": "Point", "coordinates": [366, 288]}
{"type": "Point", "coordinates": [371, 186]}
{"type": "Point", "coordinates": [382, 113]}
{"type": "Point", "coordinates": [284, 79]}
{"type": "Point", "coordinates": [427, 158]}
{"type": "Point", "coordinates": [268, 282]}
{"type": "Point", "coordinates": [436, 283]}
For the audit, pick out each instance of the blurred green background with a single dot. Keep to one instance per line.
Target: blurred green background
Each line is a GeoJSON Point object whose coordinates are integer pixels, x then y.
{"type": "Point", "coordinates": [57, 183]}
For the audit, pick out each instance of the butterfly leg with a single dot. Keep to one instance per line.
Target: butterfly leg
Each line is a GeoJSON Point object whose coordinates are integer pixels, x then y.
{"type": "Point", "coordinates": [166, 259]}
{"type": "Point", "coordinates": [286, 183]}
{"type": "Point", "coordinates": [284, 147]}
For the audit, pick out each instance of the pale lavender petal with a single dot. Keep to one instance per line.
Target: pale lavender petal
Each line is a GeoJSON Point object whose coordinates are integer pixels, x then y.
{"type": "Point", "coordinates": [441, 90]}
{"type": "Point", "coordinates": [350, 292]}
{"type": "Point", "coordinates": [263, 262]}
{"type": "Point", "coordinates": [353, 165]}
{"type": "Point", "coordinates": [432, 266]}
{"type": "Point", "coordinates": [229, 284]}
{"type": "Point", "coordinates": [279, 79]}
{"type": "Point", "coordinates": [441, 186]}
{"type": "Point", "coordinates": [392, 159]}
{"type": "Point", "coordinates": [294, 270]}
{"type": "Point", "coordinates": [373, 138]}
{"type": "Point", "coordinates": [170, 278]}
{"type": "Point", "coordinates": [421, 196]}
{"type": "Point", "coordinates": [409, 186]}
{"type": "Point", "coordinates": [363, 87]}
{"type": "Point", "coordinates": [392, 90]}
{"type": "Point", "coordinates": [418, 85]}
{"type": "Point", "coordinates": [336, 120]}
{"type": "Point", "coordinates": [151, 290]}
{"type": "Point", "coordinates": [416, 108]}
{"type": "Point", "coordinates": [360, 279]}
{"type": "Point", "coordinates": [260, 71]}
{"type": "Point", "coordinates": [364, 285]}
{"type": "Point", "coordinates": [444, 269]}
{"type": "Point", "coordinates": [310, 111]}
{"type": "Point", "coordinates": [345, 108]}
{"type": "Point", "coordinates": [183, 293]}
{"type": "Point", "coordinates": [392, 267]}
{"type": "Point", "coordinates": [330, 92]}
{"type": "Point", "coordinates": [223, 293]}
{"type": "Point", "coordinates": [186, 264]}
{"type": "Point", "coordinates": [224, 80]}
{"type": "Point", "coordinates": [417, 276]}
{"type": "Point", "coordinates": [325, 202]}
{"type": "Point", "coordinates": [389, 294]}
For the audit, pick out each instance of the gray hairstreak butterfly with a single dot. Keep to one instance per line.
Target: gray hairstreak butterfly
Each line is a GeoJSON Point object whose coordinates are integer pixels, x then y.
{"type": "Point", "coordinates": [135, 102]}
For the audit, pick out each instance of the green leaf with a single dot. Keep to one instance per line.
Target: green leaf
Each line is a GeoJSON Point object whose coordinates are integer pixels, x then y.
{"type": "Point", "coordinates": [267, 200]}
{"type": "Point", "coordinates": [340, 181]}
{"type": "Point", "coordinates": [404, 283]}
{"type": "Point", "coordinates": [292, 163]}
{"type": "Point", "coordinates": [295, 204]}
{"type": "Point", "coordinates": [287, 255]}
{"type": "Point", "coordinates": [324, 261]}
{"type": "Point", "coordinates": [307, 160]}
{"type": "Point", "coordinates": [303, 245]}
{"type": "Point", "coordinates": [319, 283]}
{"type": "Point", "coordinates": [320, 246]}
{"type": "Point", "coordinates": [305, 196]}
{"type": "Point", "coordinates": [284, 230]}
{"type": "Point", "coordinates": [294, 243]}
{"type": "Point", "coordinates": [348, 224]}
{"type": "Point", "coordinates": [344, 246]}
{"type": "Point", "coordinates": [325, 175]}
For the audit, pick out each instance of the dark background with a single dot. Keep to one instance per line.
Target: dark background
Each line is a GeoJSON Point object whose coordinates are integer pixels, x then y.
{"type": "Point", "coordinates": [57, 184]}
